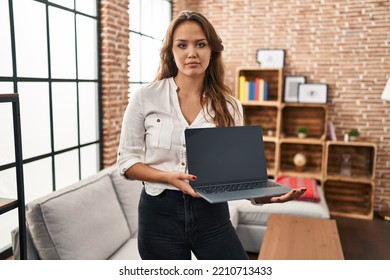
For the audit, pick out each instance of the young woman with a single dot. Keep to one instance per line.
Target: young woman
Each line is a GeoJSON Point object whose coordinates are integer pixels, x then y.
{"type": "Point", "coordinates": [189, 92]}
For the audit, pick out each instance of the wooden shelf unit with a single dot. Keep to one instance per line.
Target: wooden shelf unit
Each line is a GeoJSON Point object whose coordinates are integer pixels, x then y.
{"type": "Point", "coordinates": [7, 204]}
{"type": "Point", "coordinates": [311, 116]}
{"type": "Point", "coordinates": [271, 149]}
{"type": "Point", "coordinates": [351, 195]}
{"type": "Point", "coordinates": [350, 192]}
{"type": "Point", "coordinates": [313, 150]}
{"type": "Point", "coordinates": [274, 77]}
{"type": "Point", "coordinates": [280, 122]}
{"type": "Point", "coordinates": [349, 199]}
{"type": "Point", "coordinates": [265, 116]}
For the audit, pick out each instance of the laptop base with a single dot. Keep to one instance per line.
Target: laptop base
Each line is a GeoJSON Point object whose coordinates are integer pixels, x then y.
{"type": "Point", "coordinates": [245, 194]}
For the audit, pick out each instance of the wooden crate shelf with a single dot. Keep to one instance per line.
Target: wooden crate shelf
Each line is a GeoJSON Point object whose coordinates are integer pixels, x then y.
{"type": "Point", "coordinates": [361, 157]}
{"type": "Point", "coordinates": [350, 193]}
{"type": "Point", "coordinates": [266, 117]}
{"type": "Point", "coordinates": [349, 199]}
{"type": "Point", "coordinates": [313, 117]}
{"type": "Point", "coordinates": [313, 153]}
{"type": "Point", "coordinates": [306, 173]}
{"type": "Point", "coordinates": [270, 156]}
{"type": "Point", "coordinates": [260, 103]}
{"type": "Point", "coordinates": [274, 78]}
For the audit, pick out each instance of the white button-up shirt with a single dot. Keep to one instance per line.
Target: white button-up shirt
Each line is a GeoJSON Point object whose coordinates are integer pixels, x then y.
{"type": "Point", "coordinates": [153, 131]}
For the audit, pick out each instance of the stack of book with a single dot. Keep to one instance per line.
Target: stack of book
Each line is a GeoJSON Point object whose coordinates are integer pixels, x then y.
{"type": "Point", "coordinates": [252, 90]}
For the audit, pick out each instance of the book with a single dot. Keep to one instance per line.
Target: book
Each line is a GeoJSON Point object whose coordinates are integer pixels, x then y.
{"type": "Point", "coordinates": [260, 82]}
{"type": "Point", "coordinates": [331, 131]}
{"type": "Point", "coordinates": [265, 95]}
{"type": "Point", "coordinates": [252, 93]}
{"type": "Point", "coordinates": [261, 90]}
{"type": "Point", "coordinates": [241, 88]}
{"type": "Point", "coordinates": [257, 80]}
{"type": "Point", "coordinates": [246, 91]}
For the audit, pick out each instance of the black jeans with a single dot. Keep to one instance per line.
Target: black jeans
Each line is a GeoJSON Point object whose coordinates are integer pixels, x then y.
{"type": "Point", "coordinates": [173, 224]}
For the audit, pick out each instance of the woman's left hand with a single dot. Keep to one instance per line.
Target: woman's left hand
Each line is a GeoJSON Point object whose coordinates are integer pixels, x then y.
{"type": "Point", "coordinates": [293, 194]}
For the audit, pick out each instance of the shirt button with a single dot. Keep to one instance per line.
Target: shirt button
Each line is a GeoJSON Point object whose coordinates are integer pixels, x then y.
{"type": "Point", "coordinates": [183, 164]}
{"type": "Point", "coordinates": [184, 145]}
{"type": "Point", "coordinates": [158, 120]}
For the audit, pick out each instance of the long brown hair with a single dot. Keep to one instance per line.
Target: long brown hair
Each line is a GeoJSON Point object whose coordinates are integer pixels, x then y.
{"type": "Point", "coordinates": [216, 91]}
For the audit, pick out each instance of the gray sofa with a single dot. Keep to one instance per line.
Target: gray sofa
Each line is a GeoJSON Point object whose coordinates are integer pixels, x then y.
{"type": "Point", "coordinates": [96, 218]}
{"type": "Point", "coordinates": [93, 219]}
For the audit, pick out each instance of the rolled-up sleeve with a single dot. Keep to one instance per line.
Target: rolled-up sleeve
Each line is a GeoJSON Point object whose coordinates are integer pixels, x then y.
{"type": "Point", "coordinates": [132, 139]}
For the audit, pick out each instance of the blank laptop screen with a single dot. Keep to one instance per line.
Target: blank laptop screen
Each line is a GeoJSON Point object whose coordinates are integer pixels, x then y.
{"type": "Point", "coordinates": [226, 155]}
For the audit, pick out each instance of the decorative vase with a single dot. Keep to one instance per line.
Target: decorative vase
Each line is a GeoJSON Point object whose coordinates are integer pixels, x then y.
{"type": "Point", "coordinates": [299, 161]}
{"type": "Point", "coordinates": [345, 169]}
{"type": "Point", "coordinates": [353, 138]}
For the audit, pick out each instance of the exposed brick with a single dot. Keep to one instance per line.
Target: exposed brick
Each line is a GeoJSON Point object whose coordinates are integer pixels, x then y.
{"type": "Point", "coordinates": [115, 85]}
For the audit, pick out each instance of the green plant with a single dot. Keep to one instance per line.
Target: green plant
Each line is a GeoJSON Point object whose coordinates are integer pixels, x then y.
{"type": "Point", "coordinates": [303, 130]}
{"type": "Point", "coordinates": [354, 133]}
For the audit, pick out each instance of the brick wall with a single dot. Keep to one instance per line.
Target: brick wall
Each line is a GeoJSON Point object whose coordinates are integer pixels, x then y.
{"type": "Point", "coordinates": [345, 44]}
{"type": "Point", "coordinates": [114, 68]}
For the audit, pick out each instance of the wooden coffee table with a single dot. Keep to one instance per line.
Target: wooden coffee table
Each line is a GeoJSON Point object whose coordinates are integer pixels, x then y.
{"type": "Point", "coordinates": [300, 238]}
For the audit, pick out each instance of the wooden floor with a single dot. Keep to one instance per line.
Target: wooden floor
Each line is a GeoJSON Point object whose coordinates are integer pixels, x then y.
{"type": "Point", "coordinates": [362, 239]}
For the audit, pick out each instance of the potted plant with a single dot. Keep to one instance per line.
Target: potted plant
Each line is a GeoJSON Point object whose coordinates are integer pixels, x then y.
{"type": "Point", "coordinates": [302, 132]}
{"type": "Point", "coordinates": [353, 134]}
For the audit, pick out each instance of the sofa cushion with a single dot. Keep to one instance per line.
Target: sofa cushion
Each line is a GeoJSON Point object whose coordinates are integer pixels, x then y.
{"type": "Point", "coordinates": [233, 211]}
{"type": "Point", "coordinates": [258, 215]}
{"type": "Point", "coordinates": [129, 251]}
{"type": "Point", "coordinates": [128, 192]}
{"type": "Point", "coordinates": [82, 221]}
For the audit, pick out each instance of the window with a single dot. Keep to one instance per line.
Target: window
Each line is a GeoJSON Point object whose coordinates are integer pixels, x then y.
{"type": "Point", "coordinates": [49, 55]}
{"type": "Point", "coordinates": [149, 20]}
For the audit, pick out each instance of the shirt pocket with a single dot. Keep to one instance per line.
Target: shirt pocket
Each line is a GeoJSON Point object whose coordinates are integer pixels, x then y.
{"type": "Point", "coordinates": [159, 132]}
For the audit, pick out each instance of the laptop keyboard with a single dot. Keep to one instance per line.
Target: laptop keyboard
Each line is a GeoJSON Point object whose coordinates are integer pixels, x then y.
{"type": "Point", "coordinates": [237, 187]}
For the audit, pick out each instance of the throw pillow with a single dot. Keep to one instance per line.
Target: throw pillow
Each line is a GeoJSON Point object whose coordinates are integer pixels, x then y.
{"type": "Point", "coordinates": [311, 186]}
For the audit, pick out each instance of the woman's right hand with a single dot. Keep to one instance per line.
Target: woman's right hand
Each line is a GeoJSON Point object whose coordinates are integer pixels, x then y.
{"type": "Point", "coordinates": [180, 180]}
{"type": "Point", "coordinates": [143, 172]}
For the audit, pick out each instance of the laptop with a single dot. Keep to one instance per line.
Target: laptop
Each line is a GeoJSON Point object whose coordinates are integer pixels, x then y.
{"type": "Point", "coordinates": [229, 163]}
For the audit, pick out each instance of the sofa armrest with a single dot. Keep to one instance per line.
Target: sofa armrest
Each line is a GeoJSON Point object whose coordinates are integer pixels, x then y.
{"type": "Point", "coordinates": [32, 253]}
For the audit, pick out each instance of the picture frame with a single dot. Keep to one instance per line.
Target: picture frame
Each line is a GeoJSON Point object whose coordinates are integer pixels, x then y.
{"type": "Point", "coordinates": [313, 93]}
{"type": "Point", "coordinates": [270, 58]}
{"type": "Point", "coordinates": [291, 87]}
